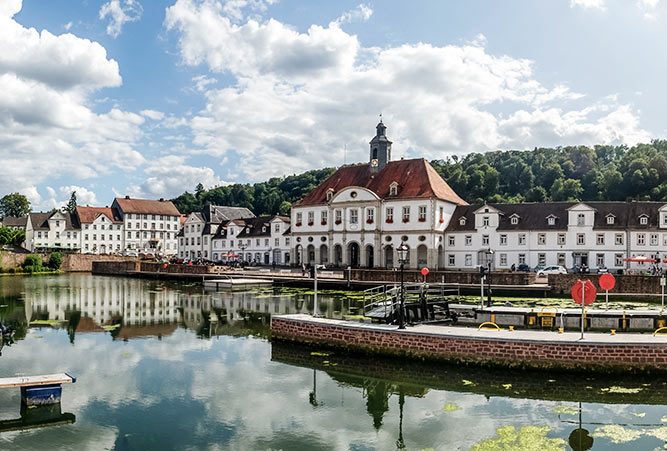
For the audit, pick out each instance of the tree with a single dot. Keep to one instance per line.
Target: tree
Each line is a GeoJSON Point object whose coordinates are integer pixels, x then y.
{"type": "Point", "coordinates": [285, 208]}
{"type": "Point", "coordinates": [199, 189]}
{"type": "Point", "coordinates": [14, 204]}
{"type": "Point", "coordinates": [71, 205]}
{"type": "Point", "coordinates": [536, 194]}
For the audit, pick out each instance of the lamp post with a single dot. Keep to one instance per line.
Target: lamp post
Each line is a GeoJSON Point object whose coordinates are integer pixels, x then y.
{"type": "Point", "coordinates": [489, 256]}
{"type": "Point", "coordinates": [243, 247]}
{"type": "Point", "coordinates": [402, 252]}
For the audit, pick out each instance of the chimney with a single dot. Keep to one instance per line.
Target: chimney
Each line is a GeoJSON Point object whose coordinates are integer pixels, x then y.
{"type": "Point", "coordinates": [127, 197]}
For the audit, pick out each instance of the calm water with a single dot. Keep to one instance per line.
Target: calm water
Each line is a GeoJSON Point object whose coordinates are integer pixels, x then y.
{"type": "Point", "coordinates": [169, 378]}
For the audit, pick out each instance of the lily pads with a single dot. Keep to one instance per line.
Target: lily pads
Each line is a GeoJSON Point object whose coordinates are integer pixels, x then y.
{"type": "Point", "coordinates": [617, 433]}
{"type": "Point", "coordinates": [451, 407]}
{"type": "Point", "coordinates": [528, 438]}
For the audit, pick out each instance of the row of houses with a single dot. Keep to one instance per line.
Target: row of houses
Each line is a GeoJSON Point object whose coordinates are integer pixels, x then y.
{"type": "Point", "coordinates": [361, 214]}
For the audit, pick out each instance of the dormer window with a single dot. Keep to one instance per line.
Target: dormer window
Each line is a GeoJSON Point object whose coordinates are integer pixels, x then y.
{"type": "Point", "coordinates": [643, 220]}
{"type": "Point", "coordinates": [611, 219]}
{"type": "Point", "coordinates": [514, 219]}
{"type": "Point", "coordinates": [263, 229]}
{"type": "Point", "coordinates": [551, 220]}
{"type": "Point", "coordinates": [330, 193]}
{"type": "Point", "coordinates": [393, 189]}
{"type": "Point", "coordinates": [462, 221]}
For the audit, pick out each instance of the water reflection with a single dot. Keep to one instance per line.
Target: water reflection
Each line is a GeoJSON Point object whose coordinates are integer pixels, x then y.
{"type": "Point", "coordinates": [203, 376]}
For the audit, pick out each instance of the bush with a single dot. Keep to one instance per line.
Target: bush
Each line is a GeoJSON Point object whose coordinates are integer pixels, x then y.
{"type": "Point", "coordinates": [32, 263]}
{"type": "Point", "coordinates": [55, 260]}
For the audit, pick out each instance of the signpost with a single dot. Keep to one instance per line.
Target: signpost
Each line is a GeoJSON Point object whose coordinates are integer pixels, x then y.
{"type": "Point", "coordinates": [662, 288]}
{"type": "Point", "coordinates": [583, 292]}
{"type": "Point", "coordinates": [607, 282]}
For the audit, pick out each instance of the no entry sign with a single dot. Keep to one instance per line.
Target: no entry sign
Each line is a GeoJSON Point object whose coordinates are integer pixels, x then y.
{"type": "Point", "coordinates": [587, 292]}
{"type": "Point", "coordinates": [424, 272]}
{"type": "Point", "coordinates": [607, 281]}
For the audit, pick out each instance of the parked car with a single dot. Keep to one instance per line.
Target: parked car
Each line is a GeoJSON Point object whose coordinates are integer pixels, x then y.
{"type": "Point", "coordinates": [523, 267]}
{"type": "Point", "coordinates": [538, 268]}
{"type": "Point", "coordinates": [130, 253]}
{"type": "Point", "coordinates": [551, 270]}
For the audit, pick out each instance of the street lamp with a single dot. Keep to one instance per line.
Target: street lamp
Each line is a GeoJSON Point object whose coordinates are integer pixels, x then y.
{"type": "Point", "coordinates": [489, 258]}
{"type": "Point", "coordinates": [243, 247]}
{"type": "Point", "coordinates": [402, 252]}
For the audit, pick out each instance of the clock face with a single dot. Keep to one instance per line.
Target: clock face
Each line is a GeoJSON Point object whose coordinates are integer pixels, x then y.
{"type": "Point", "coordinates": [374, 162]}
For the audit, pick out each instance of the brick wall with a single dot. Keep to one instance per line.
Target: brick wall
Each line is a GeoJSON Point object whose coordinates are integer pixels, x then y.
{"type": "Point", "coordinates": [114, 268]}
{"type": "Point", "coordinates": [625, 283]}
{"type": "Point", "coordinates": [577, 356]}
{"type": "Point", "coordinates": [470, 277]}
{"type": "Point", "coordinates": [84, 262]}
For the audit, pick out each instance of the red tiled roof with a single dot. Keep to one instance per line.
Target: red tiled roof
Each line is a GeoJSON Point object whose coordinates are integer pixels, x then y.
{"type": "Point", "coordinates": [416, 178]}
{"type": "Point", "coordinates": [145, 206]}
{"type": "Point", "coordinates": [88, 215]}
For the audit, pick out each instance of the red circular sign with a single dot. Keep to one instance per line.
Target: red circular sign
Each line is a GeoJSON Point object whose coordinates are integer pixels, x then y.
{"type": "Point", "coordinates": [589, 292]}
{"type": "Point", "coordinates": [424, 271]}
{"type": "Point", "coordinates": [607, 281]}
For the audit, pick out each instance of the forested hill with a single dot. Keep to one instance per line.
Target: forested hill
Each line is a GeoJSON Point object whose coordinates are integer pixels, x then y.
{"type": "Point", "coordinates": [559, 174]}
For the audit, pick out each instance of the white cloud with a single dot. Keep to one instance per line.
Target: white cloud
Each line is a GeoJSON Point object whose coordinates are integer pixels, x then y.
{"type": "Point", "coordinates": [596, 4]}
{"type": "Point", "coordinates": [648, 7]}
{"type": "Point", "coordinates": [169, 176]}
{"type": "Point", "coordinates": [120, 12]}
{"type": "Point", "coordinates": [310, 94]}
{"type": "Point", "coordinates": [83, 195]}
{"type": "Point", "coordinates": [46, 126]}
{"type": "Point", "coordinates": [152, 114]}
{"type": "Point", "coordinates": [359, 14]}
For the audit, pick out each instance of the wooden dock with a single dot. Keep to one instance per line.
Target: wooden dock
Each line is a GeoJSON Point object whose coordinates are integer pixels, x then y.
{"type": "Point", "coordinates": [237, 284]}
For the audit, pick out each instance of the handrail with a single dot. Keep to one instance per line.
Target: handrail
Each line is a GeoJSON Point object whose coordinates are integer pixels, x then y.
{"type": "Point", "coordinates": [488, 323]}
{"type": "Point", "coordinates": [657, 331]}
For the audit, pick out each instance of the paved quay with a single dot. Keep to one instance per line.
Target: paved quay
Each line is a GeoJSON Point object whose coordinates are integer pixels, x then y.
{"type": "Point", "coordinates": [524, 348]}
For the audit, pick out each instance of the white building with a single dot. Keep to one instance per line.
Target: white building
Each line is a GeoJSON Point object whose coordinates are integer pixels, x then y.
{"type": "Point", "coordinates": [597, 234]}
{"type": "Point", "coordinates": [52, 231]}
{"type": "Point", "coordinates": [361, 213]}
{"type": "Point", "coordinates": [195, 238]}
{"type": "Point", "coordinates": [264, 240]}
{"type": "Point", "coordinates": [102, 230]}
{"type": "Point", "coordinates": [149, 225]}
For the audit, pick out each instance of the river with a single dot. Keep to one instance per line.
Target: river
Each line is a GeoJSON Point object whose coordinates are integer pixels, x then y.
{"type": "Point", "coordinates": [165, 365]}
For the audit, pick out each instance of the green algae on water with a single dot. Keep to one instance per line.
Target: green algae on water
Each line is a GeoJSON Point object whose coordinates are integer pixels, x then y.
{"type": "Point", "coordinates": [451, 407]}
{"type": "Point", "coordinates": [617, 433]}
{"type": "Point", "coordinates": [563, 409]}
{"type": "Point", "coordinates": [528, 438]}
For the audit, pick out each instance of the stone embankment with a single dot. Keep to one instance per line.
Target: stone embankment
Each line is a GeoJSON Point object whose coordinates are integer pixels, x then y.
{"type": "Point", "coordinates": [70, 263]}
{"type": "Point", "coordinates": [530, 349]}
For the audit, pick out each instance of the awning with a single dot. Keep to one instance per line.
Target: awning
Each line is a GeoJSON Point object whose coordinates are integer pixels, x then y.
{"type": "Point", "coordinates": [640, 259]}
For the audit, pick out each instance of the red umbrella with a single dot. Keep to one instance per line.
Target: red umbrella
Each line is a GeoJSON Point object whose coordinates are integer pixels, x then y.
{"type": "Point", "coordinates": [640, 259]}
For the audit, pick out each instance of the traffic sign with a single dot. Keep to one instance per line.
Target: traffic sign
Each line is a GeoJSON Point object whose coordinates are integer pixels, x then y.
{"type": "Point", "coordinates": [607, 281]}
{"type": "Point", "coordinates": [424, 272]}
{"type": "Point", "coordinates": [589, 292]}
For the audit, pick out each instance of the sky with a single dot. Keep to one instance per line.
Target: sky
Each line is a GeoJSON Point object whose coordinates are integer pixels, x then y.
{"type": "Point", "coordinates": [149, 98]}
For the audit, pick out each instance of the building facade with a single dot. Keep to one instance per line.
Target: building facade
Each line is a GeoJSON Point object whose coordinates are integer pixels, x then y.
{"type": "Point", "coordinates": [101, 230]}
{"type": "Point", "coordinates": [55, 230]}
{"type": "Point", "coordinates": [264, 240]}
{"type": "Point", "coordinates": [149, 225]}
{"type": "Point", "coordinates": [360, 214]}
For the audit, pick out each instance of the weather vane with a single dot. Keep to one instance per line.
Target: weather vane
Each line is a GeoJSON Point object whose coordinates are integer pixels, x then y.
{"type": "Point", "coordinates": [380, 117]}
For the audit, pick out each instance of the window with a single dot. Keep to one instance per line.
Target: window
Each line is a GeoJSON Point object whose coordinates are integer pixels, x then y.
{"type": "Point", "coordinates": [393, 189]}
{"type": "Point", "coordinates": [581, 239]}
{"type": "Point", "coordinates": [324, 217]}
{"type": "Point", "coordinates": [354, 216]}
{"type": "Point", "coordinates": [641, 239]}
{"type": "Point", "coordinates": [85, 236]}
{"type": "Point", "coordinates": [664, 219]}
{"type": "Point", "coordinates": [664, 239]}
{"type": "Point", "coordinates": [643, 220]}
{"type": "Point", "coordinates": [276, 227]}
{"type": "Point", "coordinates": [266, 241]}
{"type": "Point", "coordinates": [485, 221]}
{"type": "Point", "coordinates": [542, 259]}
{"type": "Point", "coordinates": [561, 239]}
{"type": "Point", "coordinates": [581, 219]}
{"type": "Point", "coordinates": [522, 239]}
{"type": "Point", "coordinates": [599, 239]}
{"type": "Point", "coordinates": [485, 240]}
{"type": "Point", "coordinates": [256, 241]}
{"type": "Point", "coordinates": [329, 194]}
{"type": "Point", "coordinates": [610, 219]}
{"type": "Point", "coordinates": [311, 217]}
{"type": "Point", "coordinates": [222, 244]}
{"type": "Point", "coordinates": [503, 240]}
{"type": "Point", "coordinates": [619, 239]}
{"type": "Point", "coordinates": [231, 243]}
{"type": "Point", "coordinates": [599, 259]}
{"type": "Point", "coordinates": [406, 214]}
{"type": "Point", "coordinates": [422, 213]}
{"type": "Point", "coordinates": [462, 221]}
{"type": "Point", "coordinates": [94, 226]}
{"type": "Point", "coordinates": [468, 240]}
{"type": "Point", "coordinates": [287, 241]}
{"type": "Point", "coordinates": [390, 214]}
{"type": "Point", "coordinates": [542, 238]}
{"type": "Point", "coordinates": [514, 220]}
{"type": "Point", "coordinates": [451, 240]}
{"type": "Point", "coordinates": [370, 215]}
{"type": "Point", "coordinates": [339, 216]}
{"type": "Point", "coordinates": [276, 242]}
{"type": "Point", "coordinates": [561, 259]}
{"type": "Point", "coordinates": [451, 260]}
{"type": "Point", "coordinates": [618, 260]}
{"type": "Point", "coordinates": [503, 259]}
{"type": "Point", "coordinates": [522, 259]}
{"type": "Point", "coordinates": [442, 214]}
{"type": "Point", "coordinates": [654, 239]}
{"type": "Point", "coordinates": [299, 218]}
{"type": "Point", "coordinates": [468, 259]}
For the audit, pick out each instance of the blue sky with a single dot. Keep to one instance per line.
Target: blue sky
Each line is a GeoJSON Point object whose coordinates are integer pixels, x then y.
{"type": "Point", "coordinates": [117, 97]}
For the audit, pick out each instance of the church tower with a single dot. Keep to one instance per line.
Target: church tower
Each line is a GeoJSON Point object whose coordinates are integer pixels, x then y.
{"type": "Point", "coordinates": [380, 149]}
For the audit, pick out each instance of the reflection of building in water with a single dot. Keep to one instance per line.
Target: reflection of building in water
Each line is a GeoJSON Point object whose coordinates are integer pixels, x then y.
{"type": "Point", "coordinates": [102, 300]}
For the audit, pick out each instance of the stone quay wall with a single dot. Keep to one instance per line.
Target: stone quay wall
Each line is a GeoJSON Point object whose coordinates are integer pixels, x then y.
{"type": "Point", "coordinates": [625, 283]}
{"type": "Point", "coordinates": [500, 352]}
{"type": "Point", "coordinates": [462, 277]}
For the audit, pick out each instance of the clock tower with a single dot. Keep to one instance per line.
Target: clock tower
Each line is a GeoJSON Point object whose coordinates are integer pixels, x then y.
{"type": "Point", "coordinates": [380, 148]}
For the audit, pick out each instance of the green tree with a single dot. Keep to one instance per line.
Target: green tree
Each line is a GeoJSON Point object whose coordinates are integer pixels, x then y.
{"type": "Point", "coordinates": [14, 204]}
{"type": "Point", "coordinates": [536, 194]}
{"type": "Point", "coordinates": [285, 208]}
{"type": "Point", "coordinates": [71, 205]}
{"type": "Point", "coordinates": [55, 260]}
